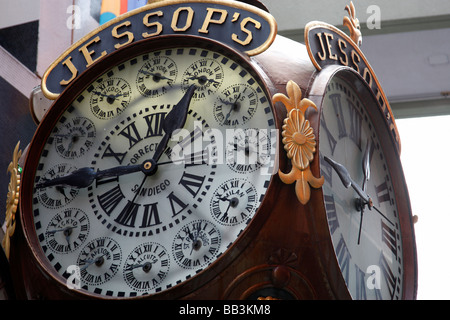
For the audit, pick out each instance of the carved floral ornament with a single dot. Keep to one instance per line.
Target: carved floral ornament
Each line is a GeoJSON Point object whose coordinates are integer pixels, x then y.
{"type": "Point", "coordinates": [299, 142]}
{"type": "Point", "coordinates": [12, 200]}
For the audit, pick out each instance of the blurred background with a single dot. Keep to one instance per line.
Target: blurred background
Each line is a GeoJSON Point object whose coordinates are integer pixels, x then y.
{"type": "Point", "coordinates": [407, 43]}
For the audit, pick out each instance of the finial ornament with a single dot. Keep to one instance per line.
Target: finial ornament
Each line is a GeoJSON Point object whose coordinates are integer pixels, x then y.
{"type": "Point", "coordinates": [299, 142]}
{"type": "Point", "coordinates": [352, 23]}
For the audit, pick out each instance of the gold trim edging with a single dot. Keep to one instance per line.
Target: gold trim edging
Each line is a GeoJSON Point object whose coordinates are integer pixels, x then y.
{"type": "Point", "coordinates": [12, 200]}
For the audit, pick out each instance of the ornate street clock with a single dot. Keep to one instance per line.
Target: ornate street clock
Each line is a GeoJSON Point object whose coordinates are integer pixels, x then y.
{"type": "Point", "coordinates": [160, 169]}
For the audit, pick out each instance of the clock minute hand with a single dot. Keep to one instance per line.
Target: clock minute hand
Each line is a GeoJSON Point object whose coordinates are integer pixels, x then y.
{"type": "Point", "coordinates": [347, 181]}
{"type": "Point", "coordinates": [366, 172]}
{"type": "Point", "coordinates": [202, 79]}
{"type": "Point", "coordinates": [174, 120]}
{"type": "Point", "coordinates": [366, 165]}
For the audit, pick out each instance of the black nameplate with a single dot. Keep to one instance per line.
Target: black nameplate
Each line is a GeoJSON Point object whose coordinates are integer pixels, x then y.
{"type": "Point", "coordinates": [236, 24]}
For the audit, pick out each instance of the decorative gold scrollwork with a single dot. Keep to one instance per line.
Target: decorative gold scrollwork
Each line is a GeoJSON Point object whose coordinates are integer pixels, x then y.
{"type": "Point", "coordinates": [12, 200]}
{"type": "Point", "coordinates": [299, 142]}
{"type": "Point", "coordinates": [352, 23]}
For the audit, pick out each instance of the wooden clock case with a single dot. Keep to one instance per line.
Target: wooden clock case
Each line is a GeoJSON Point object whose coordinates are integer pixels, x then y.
{"type": "Point", "coordinates": [286, 251]}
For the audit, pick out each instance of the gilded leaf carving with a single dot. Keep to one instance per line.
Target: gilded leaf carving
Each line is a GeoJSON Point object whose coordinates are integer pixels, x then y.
{"type": "Point", "coordinates": [299, 142]}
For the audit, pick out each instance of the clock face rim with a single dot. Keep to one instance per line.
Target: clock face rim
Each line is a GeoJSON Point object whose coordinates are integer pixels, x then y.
{"type": "Point", "coordinates": [74, 90]}
{"type": "Point", "coordinates": [338, 286]}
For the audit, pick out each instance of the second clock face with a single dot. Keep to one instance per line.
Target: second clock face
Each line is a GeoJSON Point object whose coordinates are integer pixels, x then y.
{"type": "Point", "coordinates": [134, 233]}
{"type": "Point", "coordinates": [366, 237]}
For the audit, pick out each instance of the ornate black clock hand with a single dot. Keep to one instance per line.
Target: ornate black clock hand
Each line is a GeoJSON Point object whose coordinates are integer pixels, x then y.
{"type": "Point", "coordinates": [65, 230]}
{"type": "Point", "coordinates": [202, 79]}
{"type": "Point", "coordinates": [97, 260]}
{"type": "Point", "coordinates": [110, 98]}
{"type": "Point", "coordinates": [146, 267]}
{"type": "Point", "coordinates": [233, 201]}
{"type": "Point", "coordinates": [366, 172]}
{"type": "Point", "coordinates": [347, 181]}
{"type": "Point", "coordinates": [84, 177]}
{"type": "Point", "coordinates": [174, 120]}
{"type": "Point", "coordinates": [234, 107]}
{"type": "Point", "coordinates": [156, 76]}
{"type": "Point", "coordinates": [366, 164]}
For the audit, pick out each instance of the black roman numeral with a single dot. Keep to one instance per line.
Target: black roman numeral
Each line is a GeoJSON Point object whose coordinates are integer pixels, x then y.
{"type": "Point", "coordinates": [110, 199]}
{"type": "Point", "coordinates": [131, 133]}
{"type": "Point", "coordinates": [151, 215]}
{"type": "Point", "coordinates": [117, 155]}
{"type": "Point", "coordinates": [127, 217]}
{"type": "Point", "coordinates": [336, 100]}
{"type": "Point", "coordinates": [330, 207]}
{"type": "Point", "coordinates": [383, 192]}
{"type": "Point", "coordinates": [331, 140]}
{"type": "Point", "coordinates": [154, 124]}
{"type": "Point", "coordinates": [391, 280]}
{"type": "Point", "coordinates": [192, 183]}
{"type": "Point", "coordinates": [355, 124]}
{"type": "Point", "coordinates": [176, 204]}
{"type": "Point", "coordinates": [389, 237]}
{"type": "Point", "coordinates": [343, 256]}
{"type": "Point", "coordinates": [360, 284]}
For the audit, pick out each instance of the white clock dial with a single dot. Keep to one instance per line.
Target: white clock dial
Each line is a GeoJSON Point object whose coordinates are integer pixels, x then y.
{"type": "Point", "coordinates": [149, 178]}
{"type": "Point", "coordinates": [366, 236]}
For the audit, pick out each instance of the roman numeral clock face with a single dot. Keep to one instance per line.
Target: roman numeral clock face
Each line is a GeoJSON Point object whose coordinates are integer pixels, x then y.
{"type": "Point", "coordinates": [137, 186]}
{"type": "Point", "coordinates": [364, 223]}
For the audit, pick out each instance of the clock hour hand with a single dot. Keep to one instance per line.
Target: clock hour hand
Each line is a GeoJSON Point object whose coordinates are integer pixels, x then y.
{"type": "Point", "coordinates": [156, 76]}
{"type": "Point", "coordinates": [202, 79]}
{"type": "Point", "coordinates": [83, 177]}
{"type": "Point", "coordinates": [233, 201]}
{"type": "Point", "coordinates": [99, 260]}
{"type": "Point", "coordinates": [109, 97]}
{"type": "Point", "coordinates": [146, 267]}
{"type": "Point", "coordinates": [347, 181]}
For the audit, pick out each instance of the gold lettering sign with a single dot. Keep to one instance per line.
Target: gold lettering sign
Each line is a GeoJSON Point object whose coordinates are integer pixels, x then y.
{"type": "Point", "coordinates": [237, 24]}
{"type": "Point", "coordinates": [327, 45]}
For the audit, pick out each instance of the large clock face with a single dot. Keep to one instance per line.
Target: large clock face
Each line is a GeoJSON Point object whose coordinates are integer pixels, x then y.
{"type": "Point", "coordinates": [364, 226]}
{"type": "Point", "coordinates": [154, 209]}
